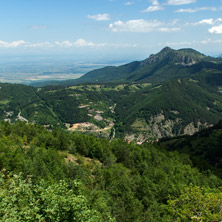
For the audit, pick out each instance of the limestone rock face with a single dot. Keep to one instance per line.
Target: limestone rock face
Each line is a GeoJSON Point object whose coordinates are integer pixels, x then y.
{"type": "Point", "coordinates": [159, 126]}
{"type": "Point", "coordinates": [184, 57]}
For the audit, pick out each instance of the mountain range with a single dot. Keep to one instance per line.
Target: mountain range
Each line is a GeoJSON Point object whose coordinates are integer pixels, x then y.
{"type": "Point", "coordinates": [173, 92]}
{"type": "Point", "coordinates": [166, 65]}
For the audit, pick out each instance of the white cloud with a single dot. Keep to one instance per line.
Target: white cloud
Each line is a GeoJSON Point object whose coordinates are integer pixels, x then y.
{"type": "Point", "coordinates": [178, 43]}
{"type": "Point", "coordinates": [219, 20]}
{"type": "Point", "coordinates": [13, 44]}
{"type": "Point", "coordinates": [129, 3]}
{"type": "Point", "coordinates": [64, 44]}
{"type": "Point", "coordinates": [82, 43]}
{"type": "Point", "coordinates": [209, 21]}
{"type": "Point", "coordinates": [194, 42]}
{"type": "Point", "coordinates": [139, 25]}
{"type": "Point", "coordinates": [154, 7]}
{"type": "Point", "coordinates": [123, 45]}
{"type": "Point", "coordinates": [155, 2]}
{"type": "Point", "coordinates": [206, 21]}
{"type": "Point", "coordinates": [192, 10]}
{"type": "Point", "coordinates": [22, 43]}
{"type": "Point", "coordinates": [180, 2]}
{"type": "Point", "coordinates": [39, 45]}
{"type": "Point", "coordinates": [216, 29]}
{"type": "Point", "coordinates": [100, 17]}
{"type": "Point", "coordinates": [211, 41]}
{"type": "Point", "coordinates": [142, 25]}
{"type": "Point", "coordinates": [165, 29]}
{"type": "Point", "coordinates": [78, 43]}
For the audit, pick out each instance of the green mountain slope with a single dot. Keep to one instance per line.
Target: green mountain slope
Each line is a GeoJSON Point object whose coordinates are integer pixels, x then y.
{"type": "Point", "coordinates": [166, 65]}
{"type": "Point", "coordinates": [131, 111]}
{"type": "Point", "coordinates": [204, 148]}
{"type": "Point", "coordinates": [22, 102]}
{"type": "Point", "coordinates": [75, 177]}
{"type": "Point", "coordinates": [173, 108]}
{"type": "Point", "coordinates": [110, 73]}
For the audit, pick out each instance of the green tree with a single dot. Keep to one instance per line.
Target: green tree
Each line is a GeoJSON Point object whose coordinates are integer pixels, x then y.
{"type": "Point", "coordinates": [196, 204]}
{"type": "Point", "coordinates": [22, 200]}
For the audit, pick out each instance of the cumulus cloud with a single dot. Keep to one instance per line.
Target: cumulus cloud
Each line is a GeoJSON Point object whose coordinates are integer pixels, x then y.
{"type": "Point", "coordinates": [193, 10]}
{"type": "Point", "coordinates": [180, 2]}
{"type": "Point", "coordinates": [78, 43]}
{"type": "Point", "coordinates": [178, 43]}
{"type": "Point", "coordinates": [209, 41]}
{"type": "Point", "coordinates": [164, 29]}
{"type": "Point", "coordinates": [194, 42]}
{"type": "Point", "coordinates": [63, 44]}
{"type": "Point", "coordinates": [123, 45]}
{"type": "Point", "coordinates": [13, 44]}
{"type": "Point", "coordinates": [206, 21]}
{"type": "Point", "coordinates": [39, 45]}
{"type": "Point", "coordinates": [141, 25]}
{"type": "Point", "coordinates": [215, 23]}
{"type": "Point", "coordinates": [99, 17]}
{"type": "Point", "coordinates": [216, 29]}
{"type": "Point", "coordinates": [209, 21]}
{"type": "Point", "coordinates": [154, 7]}
{"type": "Point", "coordinates": [82, 43]}
{"type": "Point", "coordinates": [129, 3]}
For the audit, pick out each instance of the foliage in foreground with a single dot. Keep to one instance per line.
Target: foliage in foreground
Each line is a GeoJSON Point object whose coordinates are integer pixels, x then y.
{"type": "Point", "coordinates": [21, 200]}
{"type": "Point", "coordinates": [117, 180]}
{"type": "Point", "coordinates": [196, 204]}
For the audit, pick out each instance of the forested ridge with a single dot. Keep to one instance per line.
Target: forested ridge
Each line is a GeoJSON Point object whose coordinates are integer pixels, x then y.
{"type": "Point", "coordinates": [168, 64]}
{"type": "Point", "coordinates": [64, 176]}
{"type": "Point", "coordinates": [143, 110]}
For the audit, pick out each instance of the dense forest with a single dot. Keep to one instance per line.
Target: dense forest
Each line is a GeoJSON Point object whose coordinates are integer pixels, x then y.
{"type": "Point", "coordinates": [56, 175]}
{"type": "Point", "coordinates": [145, 111]}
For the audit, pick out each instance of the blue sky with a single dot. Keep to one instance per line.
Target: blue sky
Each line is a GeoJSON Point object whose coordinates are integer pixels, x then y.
{"type": "Point", "coordinates": [112, 28]}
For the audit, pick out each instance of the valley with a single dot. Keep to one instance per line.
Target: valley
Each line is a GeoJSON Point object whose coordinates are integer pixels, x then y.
{"type": "Point", "coordinates": [179, 94]}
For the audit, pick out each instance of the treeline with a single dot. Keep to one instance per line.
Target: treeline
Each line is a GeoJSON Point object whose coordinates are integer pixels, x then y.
{"type": "Point", "coordinates": [73, 177]}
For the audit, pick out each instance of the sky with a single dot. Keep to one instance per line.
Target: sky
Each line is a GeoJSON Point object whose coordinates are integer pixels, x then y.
{"type": "Point", "coordinates": [109, 28]}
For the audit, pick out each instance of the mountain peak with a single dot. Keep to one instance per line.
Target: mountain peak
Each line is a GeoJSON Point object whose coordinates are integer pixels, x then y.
{"type": "Point", "coordinates": [159, 67]}
{"type": "Point", "coordinates": [166, 49]}
{"type": "Point", "coordinates": [155, 58]}
{"type": "Point", "coordinates": [182, 56]}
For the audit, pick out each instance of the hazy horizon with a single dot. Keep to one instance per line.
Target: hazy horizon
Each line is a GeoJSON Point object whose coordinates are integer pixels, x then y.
{"type": "Point", "coordinates": [109, 28]}
{"type": "Point", "coordinates": [27, 69]}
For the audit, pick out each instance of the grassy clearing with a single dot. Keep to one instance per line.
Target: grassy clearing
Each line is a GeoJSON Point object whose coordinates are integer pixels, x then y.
{"type": "Point", "coordinates": [4, 102]}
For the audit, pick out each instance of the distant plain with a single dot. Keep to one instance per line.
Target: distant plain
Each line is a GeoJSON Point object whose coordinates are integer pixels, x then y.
{"type": "Point", "coordinates": [38, 69]}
